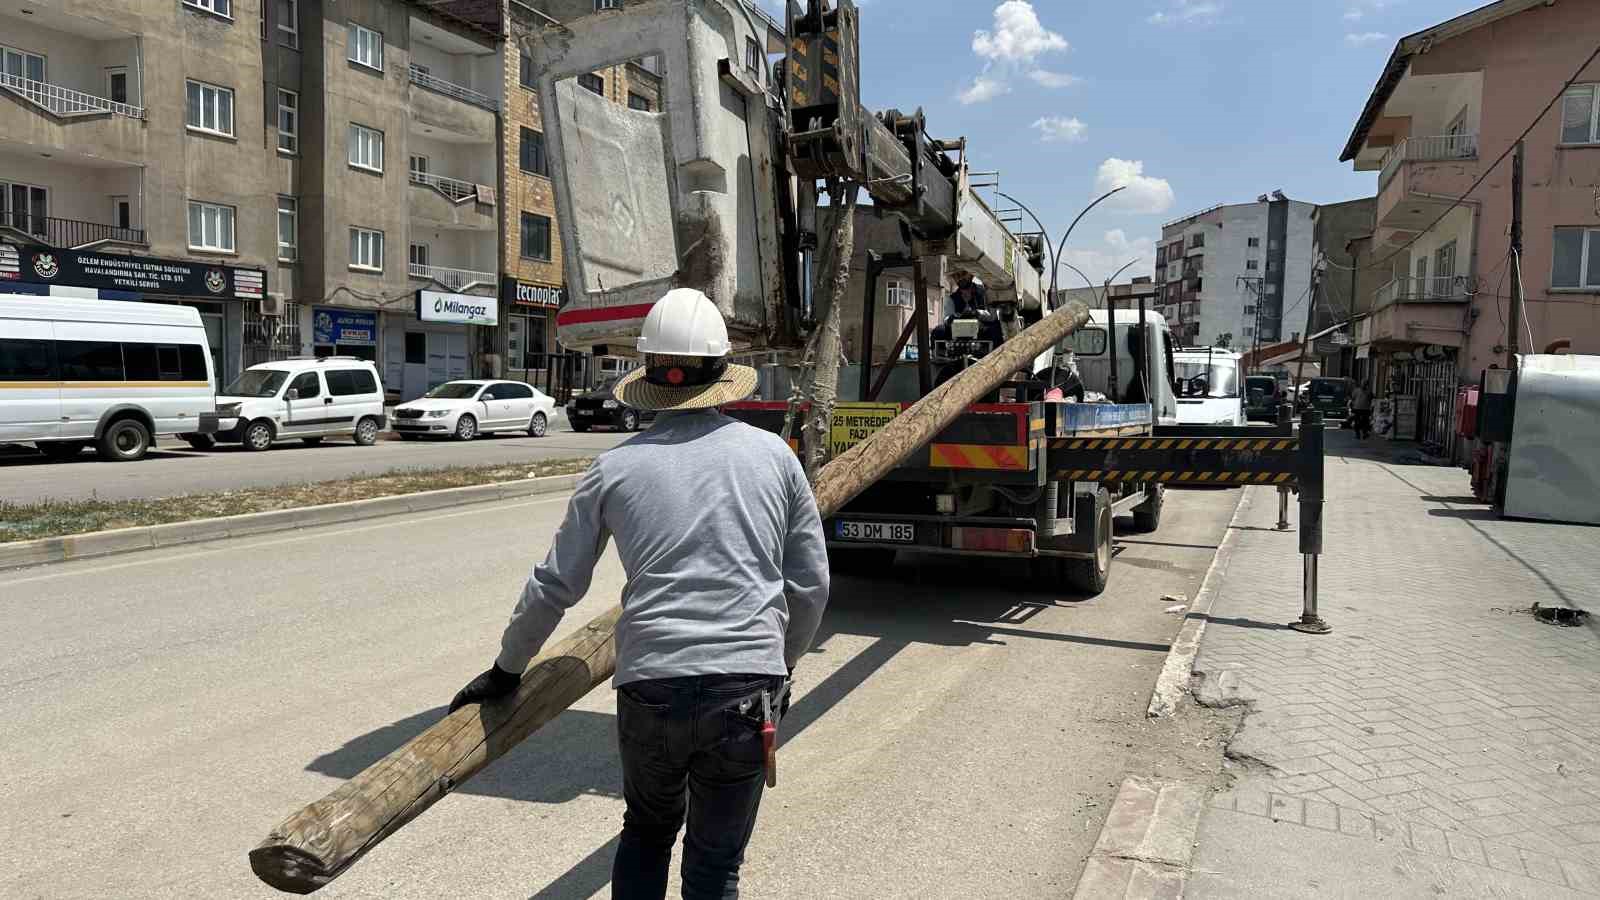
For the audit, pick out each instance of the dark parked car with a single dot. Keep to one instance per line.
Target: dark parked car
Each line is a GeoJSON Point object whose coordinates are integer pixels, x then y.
{"type": "Point", "coordinates": [1329, 396]}
{"type": "Point", "coordinates": [1262, 398]}
{"type": "Point", "coordinates": [601, 408]}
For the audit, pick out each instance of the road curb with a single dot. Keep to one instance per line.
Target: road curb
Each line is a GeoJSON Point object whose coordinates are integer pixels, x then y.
{"type": "Point", "coordinates": [1147, 842]}
{"type": "Point", "coordinates": [1176, 672]}
{"type": "Point", "coordinates": [150, 537]}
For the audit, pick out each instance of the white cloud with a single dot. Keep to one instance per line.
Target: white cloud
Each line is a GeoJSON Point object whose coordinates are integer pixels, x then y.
{"type": "Point", "coordinates": [1143, 194]}
{"type": "Point", "coordinates": [1018, 35]}
{"type": "Point", "coordinates": [1061, 129]}
{"type": "Point", "coordinates": [1053, 79]}
{"type": "Point", "coordinates": [1180, 11]}
{"type": "Point", "coordinates": [983, 89]}
{"type": "Point", "coordinates": [1353, 15]}
{"type": "Point", "coordinates": [1099, 261]}
{"type": "Point", "coordinates": [1365, 37]}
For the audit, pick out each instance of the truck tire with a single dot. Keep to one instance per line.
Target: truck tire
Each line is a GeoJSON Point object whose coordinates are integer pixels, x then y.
{"type": "Point", "coordinates": [1093, 514]}
{"type": "Point", "coordinates": [124, 440]}
{"type": "Point", "coordinates": [1147, 515]}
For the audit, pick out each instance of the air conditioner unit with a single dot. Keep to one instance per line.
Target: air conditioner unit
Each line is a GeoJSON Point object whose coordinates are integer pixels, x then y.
{"type": "Point", "coordinates": [273, 305]}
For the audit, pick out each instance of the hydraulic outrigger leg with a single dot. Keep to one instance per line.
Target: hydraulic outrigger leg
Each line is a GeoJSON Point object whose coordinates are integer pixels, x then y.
{"type": "Point", "coordinates": [1311, 520]}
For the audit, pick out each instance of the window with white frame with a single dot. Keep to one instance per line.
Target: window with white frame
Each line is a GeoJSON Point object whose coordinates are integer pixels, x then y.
{"type": "Point", "coordinates": [219, 7]}
{"type": "Point", "coordinates": [289, 22]}
{"type": "Point", "coordinates": [366, 148]}
{"type": "Point", "coordinates": [1580, 115]}
{"type": "Point", "coordinates": [417, 254]}
{"type": "Point", "coordinates": [23, 64]}
{"type": "Point", "coordinates": [210, 109]}
{"type": "Point", "coordinates": [607, 4]}
{"type": "Point", "coordinates": [288, 228]}
{"type": "Point", "coordinates": [1577, 259]}
{"type": "Point", "coordinates": [366, 249]}
{"type": "Point", "coordinates": [899, 295]}
{"type": "Point", "coordinates": [288, 121]}
{"type": "Point", "coordinates": [1252, 264]}
{"type": "Point", "coordinates": [366, 46]}
{"type": "Point", "coordinates": [210, 227]}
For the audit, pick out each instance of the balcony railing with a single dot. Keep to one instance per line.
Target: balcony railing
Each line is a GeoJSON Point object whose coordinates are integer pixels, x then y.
{"type": "Point", "coordinates": [434, 83]}
{"type": "Point", "coordinates": [454, 279]}
{"type": "Point", "coordinates": [1428, 149]}
{"type": "Point", "coordinates": [65, 102]}
{"type": "Point", "coordinates": [69, 233]}
{"type": "Point", "coordinates": [1442, 289]}
{"type": "Point", "coordinates": [457, 190]}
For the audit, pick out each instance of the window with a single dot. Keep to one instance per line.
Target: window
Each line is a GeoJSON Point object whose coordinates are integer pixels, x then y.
{"type": "Point", "coordinates": [899, 294]}
{"type": "Point", "coordinates": [1272, 244]}
{"type": "Point", "coordinates": [607, 4]}
{"type": "Point", "coordinates": [27, 360]}
{"type": "Point", "coordinates": [163, 362]}
{"type": "Point", "coordinates": [638, 102]}
{"type": "Point", "coordinates": [305, 385]}
{"type": "Point", "coordinates": [1272, 265]}
{"type": "Point", "coordinates": [210, 227]}
{"type": "Point", "coordinates": [532, 157]}
{"type": "Point", "coordinates": [366, 148]}
{"type": "Point", "coordinates": [121, 212]}
{"type": "Point", "coordinates": [22, 64]}
{"type": "Point", "coordinates": [419, 164]}
{"type": "Point", "coordinates": [1579, 123]}
{"type": "Point", "coordinates": [593, 82]}
{"type": "Point", "coordinates": [535, 236]}
{"type": "Point", "coordinates": [1198, 240]}
{"type": "Point", "coordinates": [1577, 258]}
{"type": "Point", "coordinates": [1249, 331]}
{"type": "Point", "coordinates": [117, 84]}
{"type": "Point", "coordinates": [25, 207]}
{"type": "Point", "coordinates": [288, 227]}
{"type": "Point", "coordinates": [366, 249]}
{"type": "Point", "coordinates": [1252, 264]}
{"type": "Point", "coordinates": [1249, 310]}
{"type": "Point", "coordinates": [1270, 290]}
{"type": "Point", "coordinates": [514, 391]}
{"type": "Point", "coordinates": [348, 382]}
{"type": "Point", "coordinates": [220, 7]}
{"type": "Point", "coordinates": [417, 254]}
{"type": "Point", "coordinates": [1444, 261]}
{"type": "Point", "coordinates": [752, 56]}
{"type": "Point", "coordinates": [289, 22]}
{"type": "Point", "coordinates": [288, 121]}
{"type": "Point", "coordinates": [416, 348]}
{"type": "Point", "coordinates": [1253, 242]}
{"type": "Point", "coordinates": [89, 360]}
{"type": "Point", "coordinates": [210, 109]}
{"type": "Point", "coordinates": [525, 72]}
{"type": "Point", "coordinates": [1422, 270]}
{"type": "Point", "coordinates": [366, 46]}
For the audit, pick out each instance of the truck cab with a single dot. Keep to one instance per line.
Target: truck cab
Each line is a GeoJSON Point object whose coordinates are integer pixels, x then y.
{"type": "Point", "coordinates": [1207, 380]}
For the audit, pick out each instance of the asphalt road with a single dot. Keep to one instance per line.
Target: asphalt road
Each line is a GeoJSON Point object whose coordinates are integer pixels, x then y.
{"type": "Point", "coordinates": [174, 468]}
{"type": "Point", "coordinates": [958, 732]}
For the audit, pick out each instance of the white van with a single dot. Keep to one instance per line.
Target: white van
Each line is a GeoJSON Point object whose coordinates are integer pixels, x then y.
{"type": "Point", "coordinates": [304, 398]}
{"type": "Point", "coordinates": [1209, 388]}
{"type": "Point", "coordinates": [113, 373]}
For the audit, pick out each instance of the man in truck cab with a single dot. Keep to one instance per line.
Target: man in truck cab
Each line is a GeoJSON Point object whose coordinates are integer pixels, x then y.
{"type": "Point", "coordinates": [970, 300]}
{"type": "Point", "coordinates": [727, 570]}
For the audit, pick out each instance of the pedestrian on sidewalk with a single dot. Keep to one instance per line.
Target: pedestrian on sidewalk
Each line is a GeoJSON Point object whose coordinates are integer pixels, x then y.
{"type": "Point", "coordinates": [727, 572]}
{"type": "Point", "coordinates": [1361, 411]}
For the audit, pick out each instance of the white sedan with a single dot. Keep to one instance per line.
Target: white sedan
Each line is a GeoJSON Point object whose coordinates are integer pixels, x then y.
{"type": "Point", "coordinates": [465, 409]}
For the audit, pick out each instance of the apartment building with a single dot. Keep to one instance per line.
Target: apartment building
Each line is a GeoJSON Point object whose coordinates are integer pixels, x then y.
{"type": "Point", "coordinates": [316, 177]}
{"type": "Point", "coordinates": [1229, 275]}
{"type": "Point", "coordinates": [1448, 102]}
{"type": "Point", "coordinates": [533, 283]}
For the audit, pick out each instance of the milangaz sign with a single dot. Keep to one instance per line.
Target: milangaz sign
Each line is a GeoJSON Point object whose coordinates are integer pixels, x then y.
{"type": "Point", "coordinates": [459, 309]}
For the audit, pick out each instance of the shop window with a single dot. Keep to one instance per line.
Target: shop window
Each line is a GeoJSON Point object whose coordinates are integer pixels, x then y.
{"type": "Point", "coordinates": [416, 348]}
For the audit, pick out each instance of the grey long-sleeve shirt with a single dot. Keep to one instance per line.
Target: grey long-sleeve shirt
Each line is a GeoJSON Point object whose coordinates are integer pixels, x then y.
{"type": "Point", "coordinates": [719, 535]}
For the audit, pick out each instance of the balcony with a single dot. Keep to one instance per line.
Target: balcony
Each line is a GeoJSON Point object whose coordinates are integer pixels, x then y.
{"type": "Point", "coordinates": [1444, 289]}
{"type": "Point", "coordinates": [64, 102]}
{"type": "Point", "coordinates": [455, 189]}
{"type": "Point", "coordinates": [450, 203]}
{"type": "Point", "coordinates": [69, 233]}
{"type": "Point", "coordinates": [452, 279]}
{"type": "Point", "coordinates": [1428, 149]}
{"type": "Point", "coordinates": [422, 78]}
{"type": "Point", "coordinates": [1420, 177]}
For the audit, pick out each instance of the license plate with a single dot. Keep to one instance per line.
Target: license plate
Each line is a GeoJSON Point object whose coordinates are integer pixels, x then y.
{"type": "Point", "coordinates": [876, 532]}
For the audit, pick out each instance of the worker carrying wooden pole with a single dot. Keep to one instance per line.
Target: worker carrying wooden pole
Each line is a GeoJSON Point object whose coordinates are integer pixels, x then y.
{"type": "Point", "coordinates": [321, 841]}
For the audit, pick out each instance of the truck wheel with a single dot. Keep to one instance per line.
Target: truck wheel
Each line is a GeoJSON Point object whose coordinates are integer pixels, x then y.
{"type": "Point", "coordinates": [1147, 515]}
{"type": "Point", "coordinates": [1093, 513]}
{"type": "Point", "coordinates": [865, 561]}
{"type": "Point", "coordinates": [258, 436]}
{"type": "Point", "coordinates": [124, 440]}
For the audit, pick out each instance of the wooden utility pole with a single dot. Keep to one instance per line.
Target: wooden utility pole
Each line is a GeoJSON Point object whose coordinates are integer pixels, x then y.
{"type": "Point", "coordinates": [1305, 338]}
{"type": "Point", "coordinates": [321, 841]}
{"type": "Point", "coordinates": [1516, 258]}
{"type": "Point", "coordinates": [826, 345]}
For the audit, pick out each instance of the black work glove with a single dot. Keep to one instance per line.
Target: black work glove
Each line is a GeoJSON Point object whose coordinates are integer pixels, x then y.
{"type": "Point", "coordinates": [491, 685]}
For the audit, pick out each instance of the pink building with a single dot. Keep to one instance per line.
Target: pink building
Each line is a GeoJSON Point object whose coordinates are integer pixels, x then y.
{"type": "Point", "coordinates": [1450, 100]}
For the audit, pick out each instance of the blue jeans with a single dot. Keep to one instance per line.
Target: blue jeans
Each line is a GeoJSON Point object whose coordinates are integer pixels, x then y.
{"type": "Point", "coordinates": [691, 747]}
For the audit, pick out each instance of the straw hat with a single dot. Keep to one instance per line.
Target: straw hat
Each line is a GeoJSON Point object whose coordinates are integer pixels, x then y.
{"type": "Point", "coordinates": [685, 346]}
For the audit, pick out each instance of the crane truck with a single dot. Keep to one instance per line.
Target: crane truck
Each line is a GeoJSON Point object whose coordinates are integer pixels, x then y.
{"type": "Point", "coordinates": [721, 189]}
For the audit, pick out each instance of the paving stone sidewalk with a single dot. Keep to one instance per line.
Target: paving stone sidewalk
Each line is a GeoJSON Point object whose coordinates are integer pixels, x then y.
{"type": "Point", "coordinates": [1440, 733]}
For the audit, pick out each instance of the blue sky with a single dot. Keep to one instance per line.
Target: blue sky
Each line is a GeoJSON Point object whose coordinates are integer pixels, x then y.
{"type": "Point", "coordinates": [1195, 102]}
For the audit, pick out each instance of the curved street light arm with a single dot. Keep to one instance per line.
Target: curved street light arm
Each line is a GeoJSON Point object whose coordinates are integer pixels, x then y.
{"type": "Point", "coordinates": [1061, 248]}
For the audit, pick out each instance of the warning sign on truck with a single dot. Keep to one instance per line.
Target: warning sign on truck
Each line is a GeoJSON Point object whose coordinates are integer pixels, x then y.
{"type": "Point", "coordinates": [853, 423]}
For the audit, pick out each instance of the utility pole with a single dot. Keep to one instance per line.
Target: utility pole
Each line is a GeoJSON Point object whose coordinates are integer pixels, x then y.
{"type": "Point", "coordinates": [1305, 339]}
{"type": "Point", "coordinates": [1516, 258]}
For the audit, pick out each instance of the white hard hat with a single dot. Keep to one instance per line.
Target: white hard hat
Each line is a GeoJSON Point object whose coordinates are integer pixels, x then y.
{"type": "Point", "coordinates": [684, 323]}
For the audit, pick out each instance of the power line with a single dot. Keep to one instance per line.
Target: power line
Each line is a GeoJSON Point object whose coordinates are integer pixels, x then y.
{"type": "Point", "coordinates": [1492, 166]}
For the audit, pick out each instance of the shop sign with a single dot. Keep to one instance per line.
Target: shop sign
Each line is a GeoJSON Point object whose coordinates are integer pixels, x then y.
{"type": "Point", "coordinates": [343, 326]}
{"type": "Point", "coordinates": [522, 293]}
{"type": "Point", "coordinates": [457, 309]}
{"type": "Point", "coordinates": [118, 272]}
